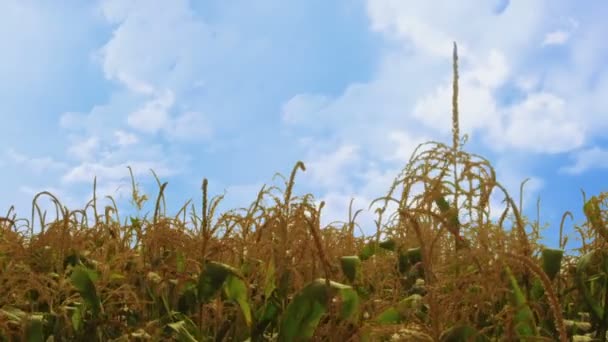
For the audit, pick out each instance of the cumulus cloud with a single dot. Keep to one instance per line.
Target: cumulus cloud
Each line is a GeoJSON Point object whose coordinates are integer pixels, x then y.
{"type": "Point", "coordinates": [148, 113]}
{"type": "Point", "coordinates": [173, 89]}
{"type": "Point", "coordinates": [143, 65]}
{"type": "Point", "coordinates": [540, 124]}
{"type": "Point", "coordinates": [403, 145]}
{"type": "Point", "coordinates": [154, 115]}
{"type": "Point", "coordinates": [477, 103]}
{"type": "Point", "coordinates": [331, 169]}
{"type": "Point", "coordinates": [412, 87]}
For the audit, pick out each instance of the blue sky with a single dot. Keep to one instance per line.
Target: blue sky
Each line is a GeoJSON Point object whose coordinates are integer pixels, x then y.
{"type": "Point", "coordinates": [236, 91]}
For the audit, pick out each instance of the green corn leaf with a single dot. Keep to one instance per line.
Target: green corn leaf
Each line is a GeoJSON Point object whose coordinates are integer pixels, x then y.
{"type": "Point", "coordinates": [389, 316]}
{"type": "Point", "coordinates": [462, 333]}
{"type": "Point", "coordinates": [310, 304]}
{"type": "Point", "coordinates": [351, 266]}
{"type": "Point", "coordinates": [187, 298]}
{"type": "Point", "coordinates": [371, 248]}
{"type": "Point", "coordinates": [525, 325]}
{"type": "Point", "coordinates": [236, 290]}
{"type": "Point", "coordinates": [594, 215]}
{"type": "Point", "coordinates": [83, 280]}
{"type": "Point", "coordinates": [590, 268]}
{"type": "Point", "coordinates": [77, 321]}
{"type": "Point", "coordinates": [453, 223]}
{"type": "Point", "coordinates": [552, 261]}
{"type": "Point", "coordinates": [181, 262]}
{"type": "Point", "coordinates": [368, 251]}
{"type": "Point", "coordinates": [212, 279]}
{"type": "Point", "coordinates": [269, 281]}
{"type": "Point", "coordinates": [34, 329]}
{"type": "Point", "coordinates": [217, 276]}
{"type": "Point", "coordinates": [403, 311]}
{"type": "Point", "coordinates": [408, 259]}
{"type": "Point", "coordinates": [389, 244]}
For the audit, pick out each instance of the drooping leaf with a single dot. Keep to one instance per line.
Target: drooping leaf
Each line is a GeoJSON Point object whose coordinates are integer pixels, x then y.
{"type": "Point", "coordinates": [388, 244]}
{"type": "Point", "coordinates": [371, 248]}
{"type": "Point", "coordinates": [591, 267]}
{"type": "Point", "coordinates": [265, 315]}
{"type": "Point", "coordinates": [408, 259]}
{"type": "Point", "coordinates": [453, 223]}
{"type": "Point", "coordinates": [187, 298]}
{"type": "Point", "coordinates": [350, 266]}
{"type": "Point", "coordinates": [217, 276]}
{"type": "Point", "coordinates": [310, 304]}
{"type": "Point", "coordinates": [368, 251]}
{"type": "Point", "coordinates": [552, 261]}
{"type": "Point", "coordinates": [592, 210]}
{"type": "Point", "coordinates": [83, 280]}
{"type": "Point", "coordinates": [389, 316]}
{"type": "Point", "coordinates": [403, 311]}
{"type": "Point", "coordinates": [212, 279]}
{"type": "Point", "coordinates": [236, 290]}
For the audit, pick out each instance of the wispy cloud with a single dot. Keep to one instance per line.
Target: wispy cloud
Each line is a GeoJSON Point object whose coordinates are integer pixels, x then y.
{"type": "Point", "coordinates": [586, 159]}
{"type": "Point", "coordinates": [560, 37]}
{"type": "Point", "coordinates": [37, 165]}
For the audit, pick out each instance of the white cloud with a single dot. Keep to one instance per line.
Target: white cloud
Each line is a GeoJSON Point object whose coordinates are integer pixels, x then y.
{"type": "Point", "coordinates": [412, 85]}
{"type": "Point", "coordinates": [336, 210]}
{"type": "Point", "coordinates": [391, 18]}
{"type": "Point", "coordinates": [190, 126]}
{"type": "Point", "coordinates": [558, 37]}
{"type": "Point", "coordinates": [154, 115]}
{"type": "Point", "coordinates": [587, 159]}
{"type": "Point", "coordinates": [477, 104]}
{"type": "Point", "coordinates": [64, 197]}
{"type": "Point", "coordinates": [143, 65]}
{"type": "Point", "coordinates": [84, 149]}
{"type": "Point", "coordinates": [135, 85]}
{"type": "Point", "coordinates": [87, 171]}
{"type": "Point", "coordinates": [542, 123]}
{"type": "Point", "coordinates": [239, 196]}
{"type": "Point", "coordinates": [34, 164]}
{"type": "Point", "coordinates": [527, 83]}
{"type": "Point", "coordinates": [70, 120]}
{"type": "Point", "coordinates": [331, 169]}
{"type": "Point", "coordinates": [125, 138]}
{"type": "Point", "coordinates": [404, 145]}
{"type": "Point", "coordinates": [301, 107]}
{"type": "Point", "coordinates": [511, 177]}
{"type": "Point", "coordinates": [430, 27]}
